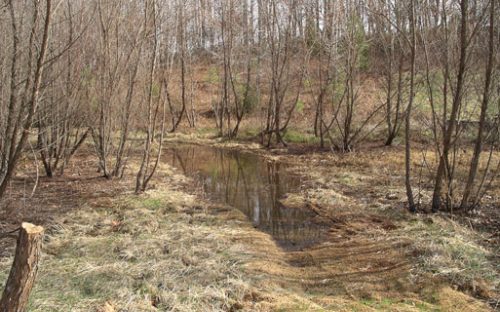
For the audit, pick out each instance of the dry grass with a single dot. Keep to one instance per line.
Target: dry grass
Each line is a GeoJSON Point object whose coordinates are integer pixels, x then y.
{"type": "Point", "coordinates": [446, 249]}
{"type": "Point", "coordinates": [160, 251]}
{"type": "Point", "coordinates": [168, 250]}
{"type": "Point", "coordinates": [363, 195]}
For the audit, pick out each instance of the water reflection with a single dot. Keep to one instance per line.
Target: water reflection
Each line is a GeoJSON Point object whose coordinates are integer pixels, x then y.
{"type": "Point", "coordinates": [251, 184]}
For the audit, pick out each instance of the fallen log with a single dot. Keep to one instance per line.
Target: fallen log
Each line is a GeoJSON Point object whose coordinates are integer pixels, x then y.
{"type": "Point", "coordinates": [24, 269]}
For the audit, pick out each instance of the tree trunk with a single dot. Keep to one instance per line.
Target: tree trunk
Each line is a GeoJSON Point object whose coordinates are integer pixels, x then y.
{"type": "Point", "coordinates": [24, 269]}
{"type": "Point", "coordinates": [11, 156]}
{"type": "Point", "coordinates": [409, 193]}
{"type": "Point", "coordinates": [457, 98]}
{"type": "Point", "coordinates": [484, 110]}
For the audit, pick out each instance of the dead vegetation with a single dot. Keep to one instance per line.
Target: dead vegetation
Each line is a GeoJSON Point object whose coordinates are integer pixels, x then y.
{"type": "Point", "coordinates": [169, 250]}
{"type": "Point", "coordinates": [94, 89]}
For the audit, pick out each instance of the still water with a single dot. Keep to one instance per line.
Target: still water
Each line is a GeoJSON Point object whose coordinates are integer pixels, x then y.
{"type": "Point", "coordinates": [252, 184]}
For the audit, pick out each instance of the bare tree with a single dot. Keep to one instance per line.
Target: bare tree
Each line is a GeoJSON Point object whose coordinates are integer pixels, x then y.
{"type": "Point", "coordinates": [60, 120]}
{"type": "Point", "coordinates": [283, 77]}
{"type": "Point", "coordinates": [155, 106]}
{"type": "Point", "coordinates": [27, 63]}
{"type": "Point", "coordinates": [116, 60]}
{"type": "Point", "coordinates": [389, 41]}
{"type": "Point", "coordinates": [467, 201]}
{"type": "Point", "coordinates": [413, 46]}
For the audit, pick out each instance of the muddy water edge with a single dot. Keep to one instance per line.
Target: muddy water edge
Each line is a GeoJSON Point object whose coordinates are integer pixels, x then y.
{"type": "Point", "coordinates": [252, 184]}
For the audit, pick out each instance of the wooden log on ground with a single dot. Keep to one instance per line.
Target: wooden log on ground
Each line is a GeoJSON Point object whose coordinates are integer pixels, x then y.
{"type": "Point", "coordinates": [24, 269]}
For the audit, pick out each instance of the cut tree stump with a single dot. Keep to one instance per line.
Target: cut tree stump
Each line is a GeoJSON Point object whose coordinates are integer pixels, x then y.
{"type": "Point", "coordinates": [24, 269]}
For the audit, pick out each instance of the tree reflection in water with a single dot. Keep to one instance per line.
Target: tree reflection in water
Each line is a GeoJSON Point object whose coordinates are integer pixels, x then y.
{"type": "Point", "coordinates": [251, 184]}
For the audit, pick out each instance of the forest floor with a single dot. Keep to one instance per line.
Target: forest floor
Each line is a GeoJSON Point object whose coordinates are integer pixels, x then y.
{"type": "Point", "coordinates": [108, 249]}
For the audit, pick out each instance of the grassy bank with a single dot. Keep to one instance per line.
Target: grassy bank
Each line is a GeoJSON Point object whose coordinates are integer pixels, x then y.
{"type": "Point", "coordinates": [170, 250]}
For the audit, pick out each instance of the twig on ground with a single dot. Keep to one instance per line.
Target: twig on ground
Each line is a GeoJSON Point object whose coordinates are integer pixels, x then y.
{"type": "Point", "coordinates": [9, 233]}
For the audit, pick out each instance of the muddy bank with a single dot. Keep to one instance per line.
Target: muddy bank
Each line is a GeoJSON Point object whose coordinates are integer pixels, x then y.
{"type": "Point", "coordinates": [360, 200]}
{"type": "Point", "coordinates": [173, 248]}
{"type": "Point", "coordinates": [253, 184]}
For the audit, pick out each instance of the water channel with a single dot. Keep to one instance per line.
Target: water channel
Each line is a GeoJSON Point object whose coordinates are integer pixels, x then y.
{"type": "Point", "coordinates": [254, 185]}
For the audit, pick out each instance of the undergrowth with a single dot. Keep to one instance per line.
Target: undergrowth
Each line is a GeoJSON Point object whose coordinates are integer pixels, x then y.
{"type": "Point", "coordinates": [447, 249]}
{"type": "Point", "coordinates": [143, 254]}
